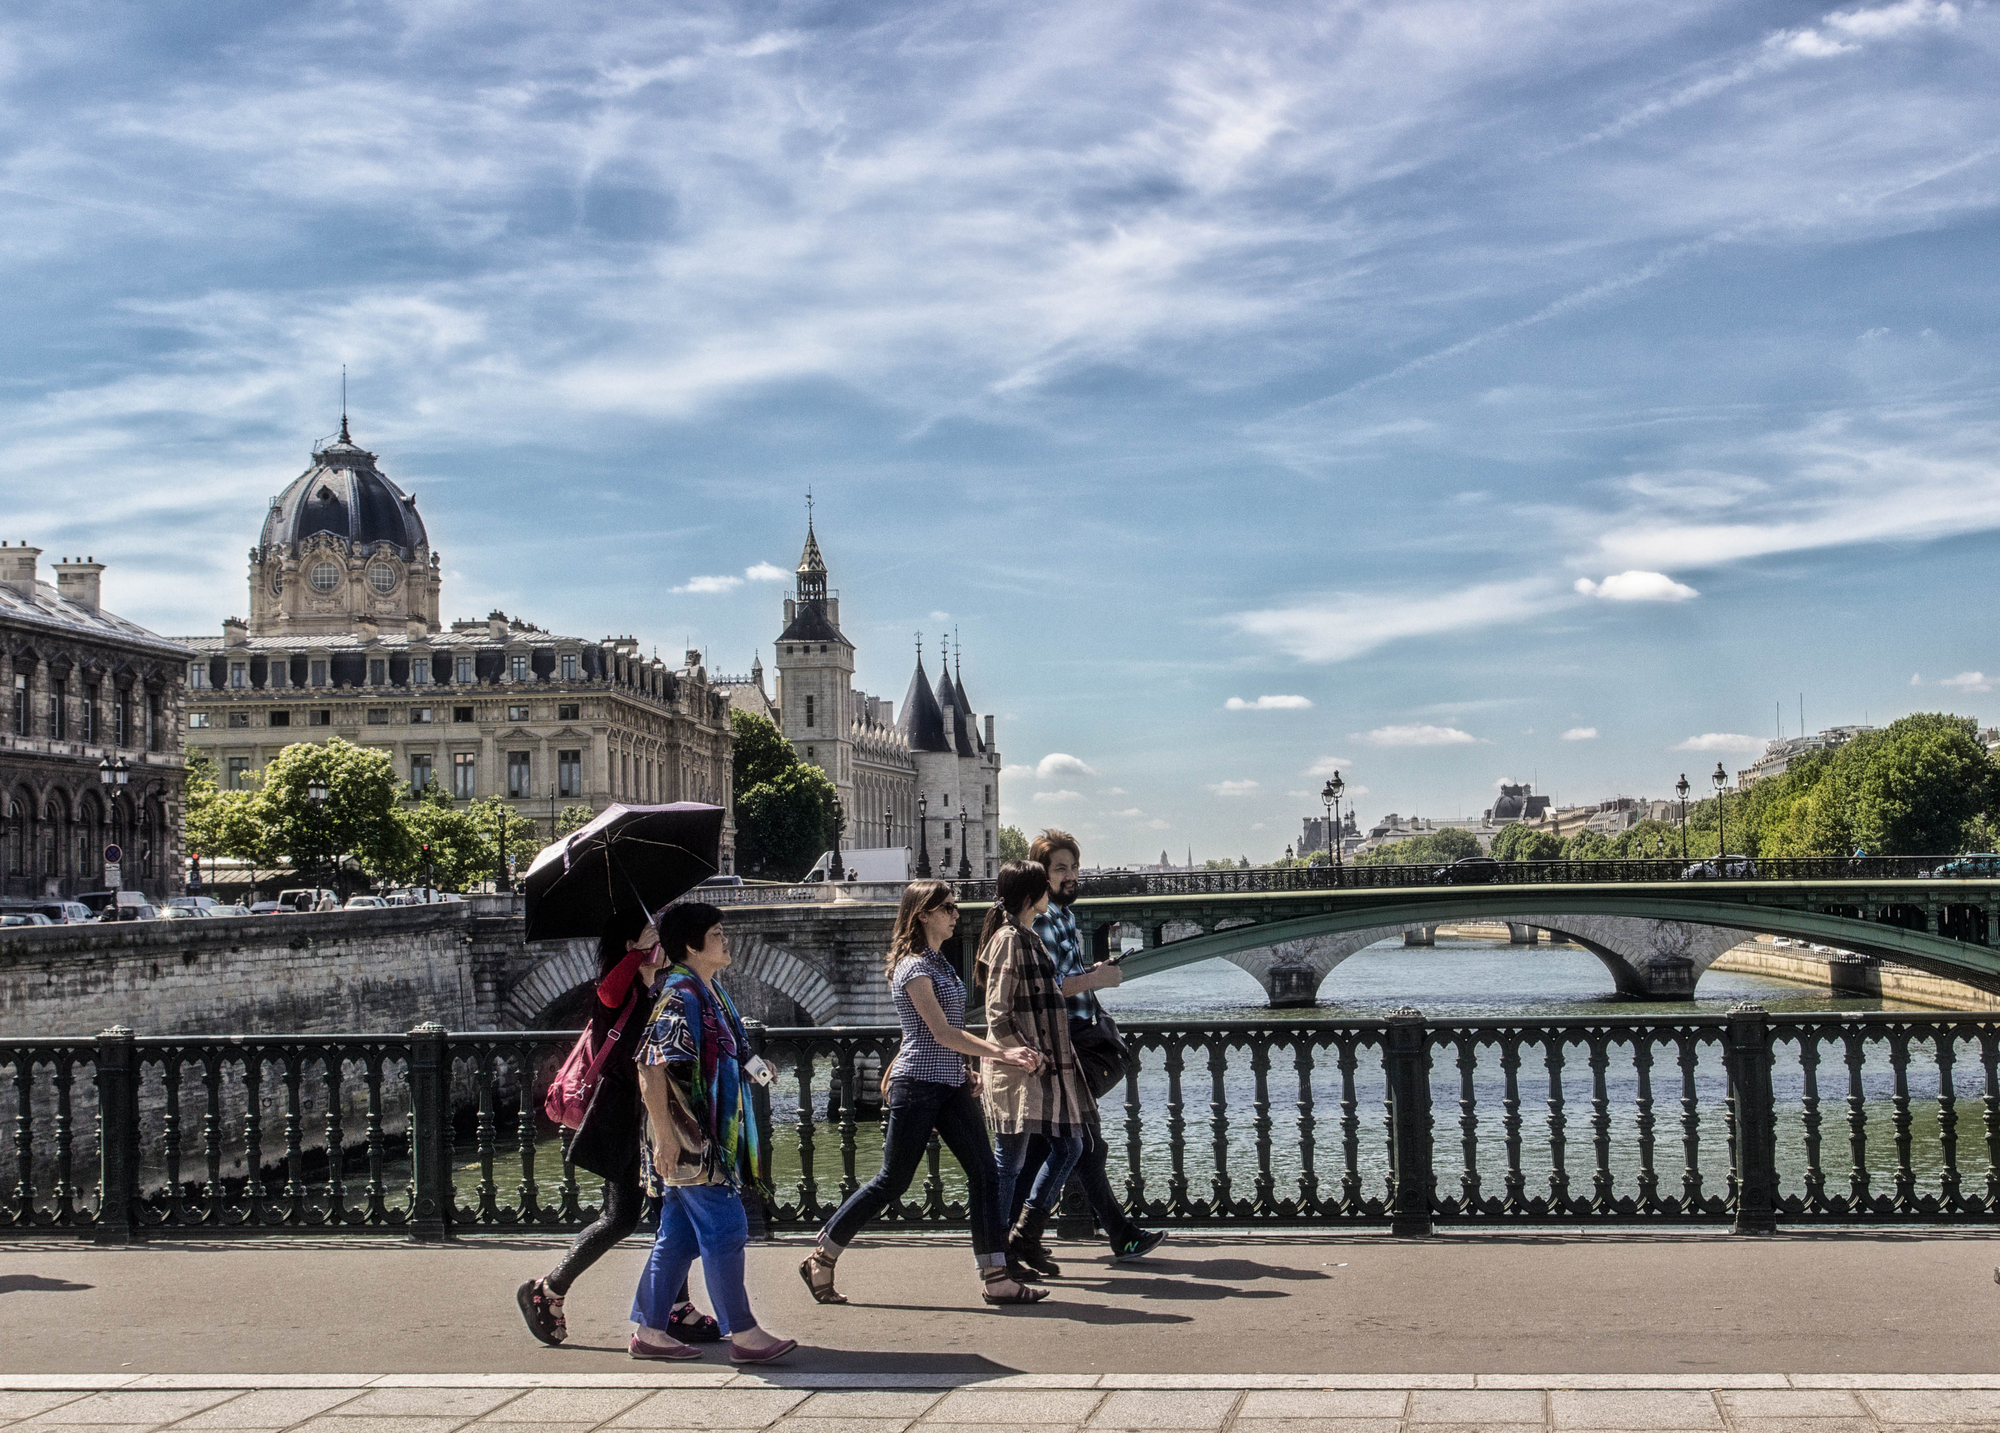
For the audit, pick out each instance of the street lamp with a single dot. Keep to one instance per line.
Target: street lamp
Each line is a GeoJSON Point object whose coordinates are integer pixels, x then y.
{"type": "Point", "coordinates": [317, 794]}
{"type": "Point", "coordinates": [888, 826]}
{"type": "Point", "coordinates": [923, 838]}
{"type": "Point", "coordinates": [1683, 788]}
{"type": "Point", "coordinates": [1330, 794]}
{"type": "Point", "coordinates": [835, 871]}
{"type": "Point", "coordinates": [1721, 780]}
{"type": "Point", "coordinates": [964, 855]}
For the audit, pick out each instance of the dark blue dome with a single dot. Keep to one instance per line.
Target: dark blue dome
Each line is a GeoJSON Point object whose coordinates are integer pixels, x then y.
{"type": "Point", "coordinates": [345, 494]}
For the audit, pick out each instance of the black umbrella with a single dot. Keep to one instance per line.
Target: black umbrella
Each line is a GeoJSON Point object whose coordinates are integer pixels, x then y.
{"type": "Point", "coordinates": [626, 864]}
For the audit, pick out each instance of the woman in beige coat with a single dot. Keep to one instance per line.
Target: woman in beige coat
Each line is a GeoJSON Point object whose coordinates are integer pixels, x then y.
{"type": "Point", "coordinates": [1025, 1007]}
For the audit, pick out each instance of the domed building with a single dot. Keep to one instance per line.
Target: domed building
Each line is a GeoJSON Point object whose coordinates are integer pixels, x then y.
{"type": "Point", "coordinates": [345, 638]}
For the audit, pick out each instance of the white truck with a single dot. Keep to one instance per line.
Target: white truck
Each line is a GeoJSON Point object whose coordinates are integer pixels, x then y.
{"type": "Point", "coordinates": [883, 863]}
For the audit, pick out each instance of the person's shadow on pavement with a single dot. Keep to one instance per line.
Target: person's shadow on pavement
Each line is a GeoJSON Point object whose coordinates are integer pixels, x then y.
{"type": "Point", "coordinates": [38, 1284]}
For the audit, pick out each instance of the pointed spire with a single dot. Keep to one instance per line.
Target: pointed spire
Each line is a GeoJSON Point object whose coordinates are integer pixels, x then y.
{"type": "Point", "coordinates": [922, 722]}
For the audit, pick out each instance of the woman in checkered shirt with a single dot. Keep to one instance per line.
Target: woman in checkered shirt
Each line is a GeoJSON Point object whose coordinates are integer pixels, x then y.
{"type": "Point", "coordinates": [928, 1090]}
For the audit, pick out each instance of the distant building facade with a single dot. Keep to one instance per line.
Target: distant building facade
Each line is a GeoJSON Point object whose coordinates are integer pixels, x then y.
{"type": "Point", "coordinates": [1779, 755]}
{"type": "Point", "coordinates": [345, 639]}
{"type": "Point", "coordinates": [933, 755]}
{"type": "Point", "coordinates": [85, 687]}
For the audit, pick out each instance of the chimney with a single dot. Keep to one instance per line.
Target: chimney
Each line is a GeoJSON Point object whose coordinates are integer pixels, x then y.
{"type": "Point", "coordinates": [496, 625]}
{"type": "Point", "coordinates": [17, 568]}
{"type": "Point", "coordinates": [693, 658]}
{"type": "Point", "coordinates": [235, 632]}
{"type": "Point", "coordinates": [79, 582]}
{"type": "Point", "coordinates": [989, 731]}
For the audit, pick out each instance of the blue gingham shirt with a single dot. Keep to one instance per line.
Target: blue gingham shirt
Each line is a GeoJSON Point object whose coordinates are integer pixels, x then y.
{"type": "Point", "coordinates": [1057, 928]}
{"type": "Point", "coordinates": [921, 1057]}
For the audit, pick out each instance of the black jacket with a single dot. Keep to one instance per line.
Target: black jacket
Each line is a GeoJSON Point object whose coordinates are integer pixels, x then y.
{"type": "Point", "coordinates": [607, 1143]}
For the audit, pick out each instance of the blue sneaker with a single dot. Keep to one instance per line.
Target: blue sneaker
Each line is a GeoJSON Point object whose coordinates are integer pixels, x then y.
{"type": "Point", "coordinates": [1138, 1246]}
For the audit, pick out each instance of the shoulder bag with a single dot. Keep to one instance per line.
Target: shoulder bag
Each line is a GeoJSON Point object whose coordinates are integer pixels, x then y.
{"type": "Point", "coordinates": [1101, 1054]}
{"type": "Point", "coordinates": [575, 1084]}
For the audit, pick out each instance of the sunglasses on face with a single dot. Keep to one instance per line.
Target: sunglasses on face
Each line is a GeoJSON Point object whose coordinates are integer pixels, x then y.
{"type": "Point", "coordinates": [951, 906]}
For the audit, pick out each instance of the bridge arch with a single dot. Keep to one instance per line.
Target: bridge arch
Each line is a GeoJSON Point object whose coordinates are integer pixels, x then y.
{"type": "Point", "coordinates": [548, 995]}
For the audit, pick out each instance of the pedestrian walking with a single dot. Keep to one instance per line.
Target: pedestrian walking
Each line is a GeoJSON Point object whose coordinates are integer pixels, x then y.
{"type": "Point", "coordinates": [1060, 855]}
{"type": "Point", "coordinates": [701, 1146]}
{"type": "Point", "coordinates": [1024, 1008]}
{"type": "Point", "coordinates": [607, 1142]}
{"type": "Point", "coordinates": [928, 1091]}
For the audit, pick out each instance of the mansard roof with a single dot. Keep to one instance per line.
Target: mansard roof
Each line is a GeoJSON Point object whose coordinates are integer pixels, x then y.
{"type": "Point", "coordinates": [922, 722]}
{"type": "Point", "coordinates": [344, 493]}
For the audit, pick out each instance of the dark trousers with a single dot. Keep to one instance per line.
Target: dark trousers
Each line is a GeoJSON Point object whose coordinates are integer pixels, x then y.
{"type": "Point", "coordinates": [1091, 1174]}
{"type": "Point", "coordinates": [624, 1203]}
{"type": "Point", "coordinates": [917, 1107]}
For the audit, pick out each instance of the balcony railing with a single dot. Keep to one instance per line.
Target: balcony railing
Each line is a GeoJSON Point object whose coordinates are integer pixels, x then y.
{"type": "Point", "coordinates": [1745, 1119]}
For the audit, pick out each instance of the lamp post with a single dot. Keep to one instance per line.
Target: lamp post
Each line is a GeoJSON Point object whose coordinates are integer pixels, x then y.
{"type": "Point", "coordinates": [1683, 788]}
{"type": "Point", "coordinates": [1330, 794]}
{"type": "Point", "coordinates": [317, 795]}
{"type": "Point", "coordinates": [923, 838]}
{"type": "Point", "coordinates": [888, 826]}
{"type": "Point", "coordinates": [1721, 780]}
{"type": "Point", "coordinates": [835, 871]}
{"type": "Point", "coordinates": [964, 856]}
{"type": "Point", "coordinates": [114, 774]}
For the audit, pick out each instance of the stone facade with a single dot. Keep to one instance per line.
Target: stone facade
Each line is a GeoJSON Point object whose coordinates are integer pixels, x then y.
{"type": "Point", "coordinates": [344, 639]}
{"type": "Point", "coordinates": [85, 687]}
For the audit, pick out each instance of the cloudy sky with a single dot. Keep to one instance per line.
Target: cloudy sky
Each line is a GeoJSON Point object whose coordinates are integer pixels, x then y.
{"type": "Point", "coordinates": [1449, 392]}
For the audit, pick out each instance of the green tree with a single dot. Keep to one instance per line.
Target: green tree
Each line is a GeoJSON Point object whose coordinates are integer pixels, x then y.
{"type": "Point", "coordinates": [1435, 848]}
{"type": "Point", "coordinates": [1927, 780]}
{"type": "Point", "coordinates": [782, 824]}
{"type": "Point", "coordinates": [223, 823]}
{"type": "Point", "coordinates": [574, 818]}
{"type": "Point", "coordinates": [461, 852]}
{"type": "Point", "coordinates": [358, 819]}
{"type": "Point", "coordinates": [1013, 844]}
{"type": "Point", "coordinates": [761, 751]}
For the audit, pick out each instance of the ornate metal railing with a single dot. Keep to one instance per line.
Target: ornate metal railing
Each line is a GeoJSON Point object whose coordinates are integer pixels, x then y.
{"type": "Point", "coordinates": [1747, 1119]}
{"type": "Point", "coordinates": [1269, 880]}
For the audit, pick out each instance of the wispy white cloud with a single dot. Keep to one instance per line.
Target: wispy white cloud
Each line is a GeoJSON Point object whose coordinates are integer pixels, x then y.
{"type": "Point", "coordinates": [1637, 587]}
{"type": "Point", "coordinates": [1267, 704]}
{"type": "Point", "coordinates": [1580, 733]}
{"type": "Point", "coordinates": [1725, 741]}
{"type": "Point", "coordinates": [1968, 682]}
{"type": "Point", "coordinates": [765, 572]}
{"type": "Point", "coordinates": [1338, 628]}
{"type": "Point", "coordinates": [1057, 798]}
{"type": "Point", "coordinates": [1327, 765]}
{"type": "Point", "coordinates": [1418, 736]}
{"type": "Point", "coordinates": [1233, 788]}
{"type": "Point", "coordinates": [703, 586]}
{"type": "Point", "coordinates": [1061, 763]}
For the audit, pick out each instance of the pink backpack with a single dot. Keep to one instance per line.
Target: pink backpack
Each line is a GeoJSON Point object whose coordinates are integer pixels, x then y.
{"type": "Point", "coordinates": [575, 1084]}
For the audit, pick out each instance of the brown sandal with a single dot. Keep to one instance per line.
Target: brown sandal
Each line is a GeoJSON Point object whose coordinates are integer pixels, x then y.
{"type": "Point", "coordinates": [822, 1293]}
{"type": "Point", "coordinates": [1023, 1294]}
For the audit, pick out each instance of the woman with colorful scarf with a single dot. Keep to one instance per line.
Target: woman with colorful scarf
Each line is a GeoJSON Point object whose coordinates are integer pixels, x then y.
{"type": "Point", "coordinates": [701, 1147]}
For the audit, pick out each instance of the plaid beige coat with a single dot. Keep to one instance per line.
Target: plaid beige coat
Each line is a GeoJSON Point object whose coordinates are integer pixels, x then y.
{"type": "Point", "coordinates": [1025, 1006]}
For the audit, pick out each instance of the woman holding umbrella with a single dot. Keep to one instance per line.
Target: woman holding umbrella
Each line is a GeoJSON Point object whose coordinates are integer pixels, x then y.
{"type": "Point", "coordinates": [607, 1142]}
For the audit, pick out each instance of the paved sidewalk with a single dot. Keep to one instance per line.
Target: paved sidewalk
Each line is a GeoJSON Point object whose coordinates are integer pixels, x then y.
{"type": "Point", "coordinates": [682, 1400]}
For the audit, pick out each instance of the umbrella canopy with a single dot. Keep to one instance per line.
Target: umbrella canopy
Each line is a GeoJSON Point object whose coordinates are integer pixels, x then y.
{"type": "Point", "coordinates": [627, 863]}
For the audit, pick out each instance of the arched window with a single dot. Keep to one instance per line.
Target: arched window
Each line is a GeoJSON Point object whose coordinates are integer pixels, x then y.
{"type": "Point", "coordinates": [88, 836]}
{"type": "Point", "coordinates": [51, 840]}
{"type": "Point", "coordinates": [17, 858]}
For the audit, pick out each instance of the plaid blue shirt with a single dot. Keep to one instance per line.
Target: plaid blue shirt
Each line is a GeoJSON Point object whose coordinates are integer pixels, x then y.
{"type": "Point", "coordinates": [1057, 928]}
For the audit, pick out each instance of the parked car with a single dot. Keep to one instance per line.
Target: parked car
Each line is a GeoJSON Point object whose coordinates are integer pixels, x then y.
{"type": "Point", "coordinates": [130, 911]}
{"type": "Point", "coordinates": [1722, 868]}
{"type": "Point", "coordinates": [183, 913]}
{"type": "Point", "coordinates": [365, 903]}
{"type": "Point", "coordinates": [59, 912]}
{"type": "Point", "coordinates": [1984, 866]}
{"type": "Point", "coordinates": [308, 898]}
{"type": "Point", "coordinates": [8, 918]}
{"type": "Point", "coordinates": [264, 908]}
{"type": "Point", "coordinates": [194, 903]}
{"type": "Point", "coordinates": [734, 880]}
{"type": "Point", "coordinates": [1468, 871]}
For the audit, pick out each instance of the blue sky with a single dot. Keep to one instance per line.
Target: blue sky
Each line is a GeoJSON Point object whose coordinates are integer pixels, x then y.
{"type": "Point", "coordinates": [1414, 387]}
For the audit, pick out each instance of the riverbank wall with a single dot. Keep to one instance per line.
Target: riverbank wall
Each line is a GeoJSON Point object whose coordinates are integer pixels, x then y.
{"type": "Point", "coordinates": [1855, 975]}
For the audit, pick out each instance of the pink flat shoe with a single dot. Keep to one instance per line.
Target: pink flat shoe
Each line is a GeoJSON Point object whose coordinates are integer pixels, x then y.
{"type": "Point", "coordinates": [770, 1355]}
{"type": "Point", "coordinates": [639, 1348]}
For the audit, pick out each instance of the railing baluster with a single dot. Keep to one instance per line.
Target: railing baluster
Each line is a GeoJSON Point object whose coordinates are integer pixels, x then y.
{"type": "Point", "coordinates": [933, 1206]}
{"type": "Point", "coordinates": [1552, 1057]}
{"type": "Point", "coordinates": [1989, 1059]}
{"type": "Point", "coordinates": [849, 1087]}
{"type": "Point", "coordinates": [1857, 1125]}
{"type": "Point", "coordinates": [1642, 1066]}
{"type": "Point", "coordinates": [170, 1137]}
{"type": "Point", "coordinates": [1815, 1180]}
{"type": "Point", "coordinates": [1266, 1198]}
{"type": "Point", "coordinates": [24, 1139]}
{"type": "Point", "coordinates": [1350, 1130]}
{"type": "Point", "coordinates": [1218, 1125]}
{"type": "Point", "coordinates": [808, 1182]}
{"type": "Point", "coordinates": [216, 1212]}
{"type": "Point", "coordinates": [1690, 1126]}
{"type": "Point", "coordinates": [1515, 1198]}
{"type": "Point", "coordinates": [254, 1191]}
{"type": "Point", "coordinates": [1899, 1062]}
{"type": "Point", "coordinates": [65, 1203]}
{"type": "Point", "coordinates": [295, 1161]}
{"type": "Point", "coordinates": [484, 1134]}
{"type": "Point", "coordinates": [1177, 1185]}
{"type": "Point", "coordinates": [1600, 1123]}
{"type": "Point", "coordinates": [1302, 1062]}
{"type": "Point", "coordinates": [1948, 1182]}
{"type": "Point", "coordinates": [528, 1193]}
{"type": "Point", "coordinates": [333, 1082]}
{"type": "Point", "coordinates": [1468, 1124]}
{"type": "Point", "coordinates": [371, 1065]}
{"type": "Point", "coordinates": [1135, 1129]}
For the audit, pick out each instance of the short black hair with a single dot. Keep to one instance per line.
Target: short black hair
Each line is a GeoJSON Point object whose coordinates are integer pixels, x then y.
{"type": "Point", "coordinates": [684, 926]}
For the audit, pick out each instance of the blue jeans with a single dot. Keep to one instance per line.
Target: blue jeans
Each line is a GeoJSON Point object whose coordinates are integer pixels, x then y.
{"type": "Point", "coordinates": [916, 1107]}
{"type": "Point", "coordinates": [1011, 1152]}
{"type": "Point", "coordinates": [705, 1220]}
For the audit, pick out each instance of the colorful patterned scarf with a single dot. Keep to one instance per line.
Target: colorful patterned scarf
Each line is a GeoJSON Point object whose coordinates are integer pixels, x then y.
{"type": "Point", "coordinates": [697, 1025]}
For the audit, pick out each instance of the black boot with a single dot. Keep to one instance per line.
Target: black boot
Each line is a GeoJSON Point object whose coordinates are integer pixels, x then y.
{"type": "Point", "coordinates": [1025, 1247]}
